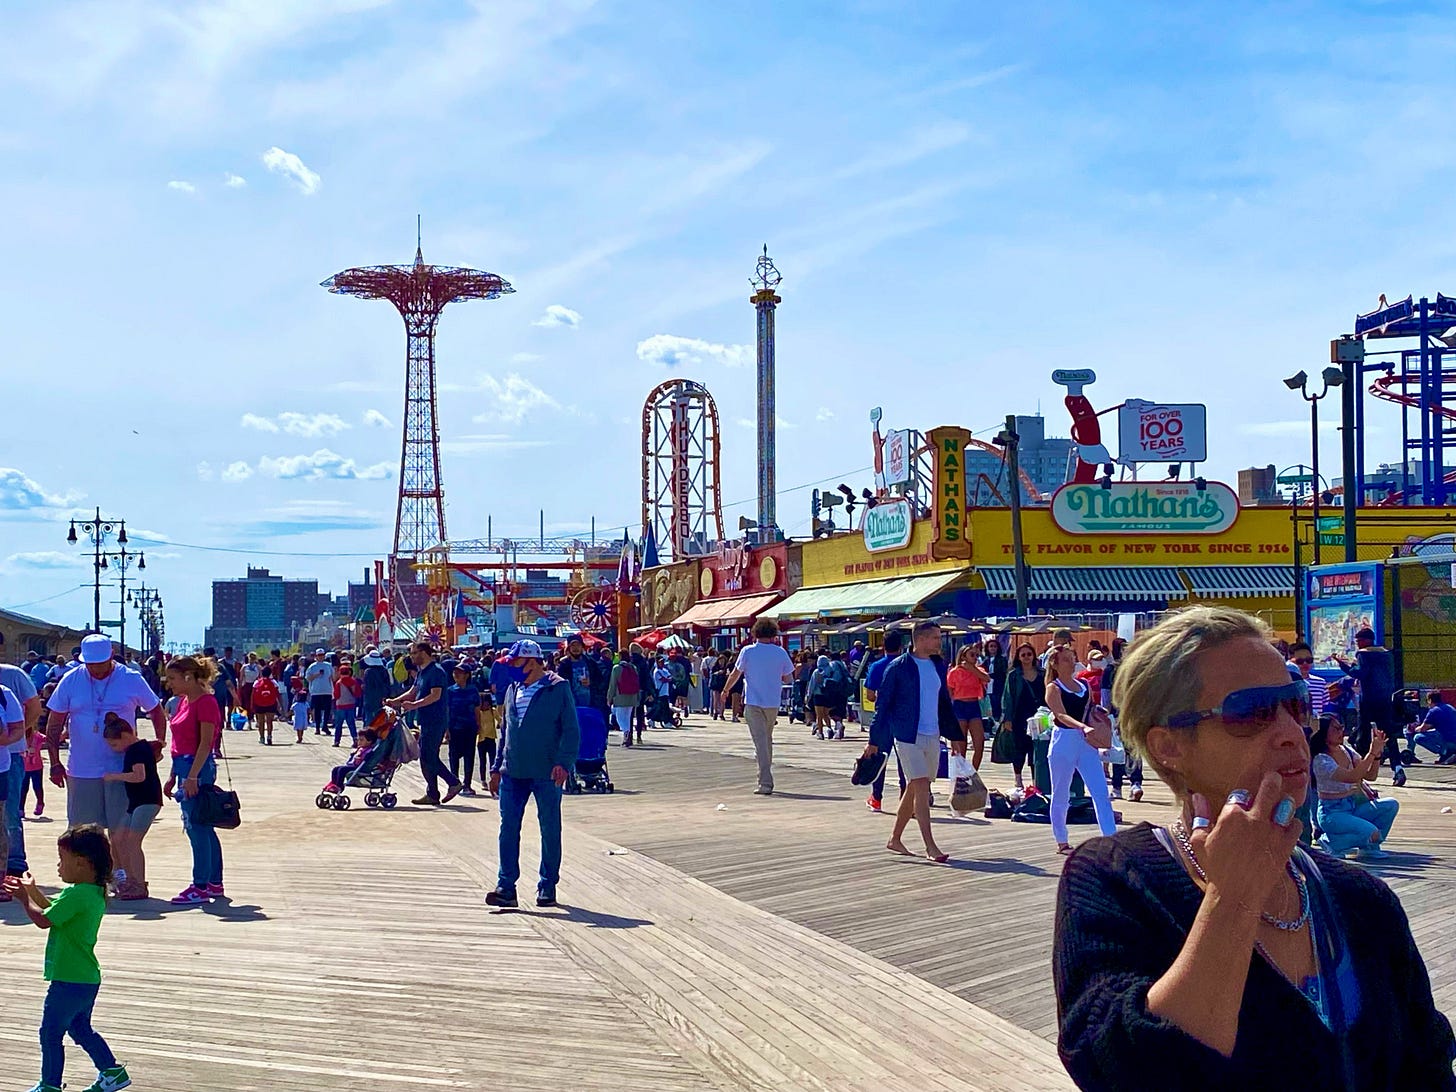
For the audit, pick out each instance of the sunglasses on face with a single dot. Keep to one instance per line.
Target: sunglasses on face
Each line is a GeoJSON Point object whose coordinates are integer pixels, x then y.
{"type": "Point", "coordinates": [1302, 660]}
{"type": "Point", "coordinates": [1248, 712]}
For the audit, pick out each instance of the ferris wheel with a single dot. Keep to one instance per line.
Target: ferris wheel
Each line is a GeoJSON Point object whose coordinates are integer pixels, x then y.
{"type": "Point", "coordinates": [594, 609]}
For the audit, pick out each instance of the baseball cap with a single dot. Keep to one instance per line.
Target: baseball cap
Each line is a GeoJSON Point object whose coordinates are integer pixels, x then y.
{"type": "Point", "coordinates": [319, 652]}
{"type": "Point", "coordinates": [95, 648]}
{"type": "Point", "coordinates": [32, 655]}
{"type": "Point", "coordinates": [525, 650]}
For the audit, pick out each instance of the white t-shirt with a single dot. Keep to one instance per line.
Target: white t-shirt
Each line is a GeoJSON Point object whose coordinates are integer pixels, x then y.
{"type": "Point", "coordinates": [252, 673]}
{"type": "Point", "coordinates": [764, 666]}
{"type": "Point", "coordinates": [86, 701]}
{"type": "Point", "coordinates": [23, 689]}
{"type": "Point", "coordinates": [11, 712]}
{"type": "Point", "coordinates": [320, 676]}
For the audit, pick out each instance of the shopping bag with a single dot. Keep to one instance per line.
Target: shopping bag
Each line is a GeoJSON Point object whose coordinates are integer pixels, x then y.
{"type": "Point", "coordinates": [1003, 747]}
{"type": "Point", "coordinates": [1116, 755]}
{"type": "Point", "coordinates": [969, 793]}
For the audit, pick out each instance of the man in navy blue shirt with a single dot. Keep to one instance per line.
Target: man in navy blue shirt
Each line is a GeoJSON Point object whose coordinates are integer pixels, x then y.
{"type": "Point", "coordinates": [1437, 730]}
{"type": "Point", "coordinates": [427, 697]}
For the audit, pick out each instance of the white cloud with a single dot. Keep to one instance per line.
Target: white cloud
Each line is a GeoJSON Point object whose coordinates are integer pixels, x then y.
{"type": "Point", "coordinates": [234, 181]}
{"type": "Point", "coordinates": [237, 472]}
{"type": "Point", "coordinates": [322, 464]}
{"type": "Point", "coordinates": [19, 493]}
{"type": "Point", "coordinates": [557, 315]}
{"type": "Point", "coordinates": [181, 187]}
{"type": "Point", "coordinates": [374, 419]}
{"type": "Point", "coordinates": [205, 472]}
{"type": "Point", "coordinates": [672, 351]}
{"type": "Point", "coordinates": [514, 399]}
{"type": "Point", "coordinates": [308, 425]}
{"type": "Point", "coordinates": [525, 358]}
{"type": "Point", "coordinates": [292, 168]}
{"type": "Point", "coordinates": [45, 559]}
{"type": "Point", "coordinates": [824, 414]}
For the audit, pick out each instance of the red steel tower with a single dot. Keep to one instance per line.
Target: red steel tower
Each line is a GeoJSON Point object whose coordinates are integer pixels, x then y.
{"type": "Point", "coordinates": [420, 292]}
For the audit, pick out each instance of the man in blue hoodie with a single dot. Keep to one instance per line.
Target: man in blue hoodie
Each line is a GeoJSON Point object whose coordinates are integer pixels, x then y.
{"type": "Point", "coordinates": [538, 745]}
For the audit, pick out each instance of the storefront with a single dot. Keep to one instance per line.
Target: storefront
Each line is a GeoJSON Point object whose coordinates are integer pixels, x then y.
{"type": "Point", "coordinates": [735, 585]}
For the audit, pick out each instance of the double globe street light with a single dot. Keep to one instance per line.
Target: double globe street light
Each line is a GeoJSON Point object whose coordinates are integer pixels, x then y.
{"type": "Point", "coordinates": [1299, 381]}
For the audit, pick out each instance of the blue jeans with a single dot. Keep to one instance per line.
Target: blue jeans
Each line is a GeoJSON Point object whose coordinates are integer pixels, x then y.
{"type": "Point", "coordinates": [435, 771]}
{"type": "Point", "coordinates": [514, 792]}
{"type": "Point", "coordinates": [15, 862]}
{"type": "Point", "coordinates": [344, 714]}
{"type": "Point", "coordinates": [206, 848]}
{"type": "Point", "coordinates": [1432, 741]}
{"type": "Point", "coordinates": [68, 1008]}
{"type": "Point", "coordinates": [1354, 822]}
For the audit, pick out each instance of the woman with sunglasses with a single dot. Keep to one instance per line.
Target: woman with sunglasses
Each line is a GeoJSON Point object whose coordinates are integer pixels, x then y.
{"type": "Point", "coordinates": [1025, 691]}
{"type": "Point", "coordinates": [1213, 951]}
{"type": "Point", "coordinates": [1071, 703]}
{"type": "Point", "coordinates": [1349, 818]}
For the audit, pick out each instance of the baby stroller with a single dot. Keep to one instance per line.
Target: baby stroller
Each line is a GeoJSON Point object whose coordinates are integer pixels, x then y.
{"type": "Point", "coordinates": [591, 774]}
{"type": "Point", "coordinates": [662, 713]}
{"type": "Point", "coordinates": [396, 747]}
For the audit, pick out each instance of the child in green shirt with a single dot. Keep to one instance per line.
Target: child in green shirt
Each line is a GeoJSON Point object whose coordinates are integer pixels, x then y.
{"type": "Point", "coordinates": [72, 918]}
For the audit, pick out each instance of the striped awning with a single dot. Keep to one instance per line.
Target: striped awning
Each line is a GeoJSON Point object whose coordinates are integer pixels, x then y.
{"type": "Point", "coordinates": [1093, 582]}
{"type": "Point", "coordinates": [1237, 581]}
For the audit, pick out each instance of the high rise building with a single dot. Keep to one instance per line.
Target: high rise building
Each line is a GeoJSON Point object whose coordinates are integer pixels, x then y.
{"type": "Point", "coordinates": [260, 609]}
{"type": "Point", "coordinates": [1045, 460]}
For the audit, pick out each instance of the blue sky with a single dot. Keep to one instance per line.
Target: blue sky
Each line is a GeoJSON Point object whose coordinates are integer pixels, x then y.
{"type": "Point", "coordinates": [1191, 199]}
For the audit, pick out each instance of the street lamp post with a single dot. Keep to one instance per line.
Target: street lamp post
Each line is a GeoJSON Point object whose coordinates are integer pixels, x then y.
{"type": "Point", "coordinates": [123, 559]}
{"type": "Point", "coordinates": [97, 531]}
{"type": "Point", "coordinates": [1299, 381]}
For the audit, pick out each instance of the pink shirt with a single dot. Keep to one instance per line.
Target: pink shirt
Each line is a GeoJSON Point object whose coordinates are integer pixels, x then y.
{"type": "Point", "coordinates": [32, 750]}
{"type": "Point", "coordinates": [187, 722]}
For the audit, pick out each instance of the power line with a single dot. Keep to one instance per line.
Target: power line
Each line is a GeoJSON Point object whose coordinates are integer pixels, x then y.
{"type": "Point", "coordinates": [47, 599]}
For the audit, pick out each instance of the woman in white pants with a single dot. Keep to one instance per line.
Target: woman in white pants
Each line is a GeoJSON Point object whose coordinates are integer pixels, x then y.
{"type": "Point", "coordinates": [1069, 698]}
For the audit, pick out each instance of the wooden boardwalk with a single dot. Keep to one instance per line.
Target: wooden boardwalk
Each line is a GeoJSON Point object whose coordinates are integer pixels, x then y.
{"type": "Point", "coordinates": [356, 948]}
{"type": "Point", "coordinates": [709, 939]}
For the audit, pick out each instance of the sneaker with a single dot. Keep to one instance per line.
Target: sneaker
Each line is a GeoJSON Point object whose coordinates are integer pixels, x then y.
{"type": "Point", "coordinates": [873, 803]}
{"type": "Point", "coordinates": [467, 791]}
{"type": "Point", "coordinates": [543, 899]}
{"type": "Point", "coordinates": [213, 891]}
{"type": "Point", "coordinates": [45, 1088]}
{"type": "Point", "coordinates": [506, 900]}
{"type": "Point", "coordinates": [1372, 853]}
{"type": "Point", "coordinates": [1115, 794]}
{"type": "Point", "coordinates": [761, 791]}
{"type": "Point", "coordinates": [1398, 778]}
{"type": "Point", "coordinates": [1136, 794]}
{"type": "Point", "coordinates": [452, 792]}
{"type": "Point", "coordinates": [110, 1080]}
{"type": "Point", "coordinates": [426, 799]}
{"type": "Point", "coordinates": [190, 896]}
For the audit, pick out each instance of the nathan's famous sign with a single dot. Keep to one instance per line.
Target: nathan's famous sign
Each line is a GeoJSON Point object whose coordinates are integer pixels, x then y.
{"type": "Point", "coordinates": [1141, 508]}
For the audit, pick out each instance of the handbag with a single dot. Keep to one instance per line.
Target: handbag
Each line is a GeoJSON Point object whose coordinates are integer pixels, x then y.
{"type": "Point", "coordinates": [1099, 727]}
{"type": "Point", "coordinates": [216, 806]}
{"type": "Point", "coordinates": [1003, 747]}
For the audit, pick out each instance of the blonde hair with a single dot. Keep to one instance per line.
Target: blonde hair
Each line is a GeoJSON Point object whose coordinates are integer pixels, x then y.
{"type": "Point", "coordinates": [1158, 677]}
{"type": "Point", "coordinates": [200, 668]}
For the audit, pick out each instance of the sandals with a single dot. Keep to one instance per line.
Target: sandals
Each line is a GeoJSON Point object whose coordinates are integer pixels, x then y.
{"type": "Point", "coordinates": [1064, 849]}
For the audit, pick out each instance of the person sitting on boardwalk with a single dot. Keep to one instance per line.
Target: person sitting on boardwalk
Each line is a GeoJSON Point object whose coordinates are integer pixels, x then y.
{"type": "Point", "coordinates": [538, 745]}
{"type": "Point", "coordinates": [912, 712]}
{"type": "Point", "coordinates": [1214, 952]}
{"type": "Point", "coordinates": [1349, 818]}
{"type": "Point", "coordinates": [1437, 730]}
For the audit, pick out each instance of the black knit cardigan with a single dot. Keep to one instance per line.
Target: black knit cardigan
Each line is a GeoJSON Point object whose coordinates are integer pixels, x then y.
{"type": "Point", "coordinates": [1124, 909]}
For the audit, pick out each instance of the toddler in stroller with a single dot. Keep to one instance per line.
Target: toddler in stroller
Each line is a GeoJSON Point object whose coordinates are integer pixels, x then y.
{"type": "Point", "coordinates": [591, 773]}
{"type": "Point", "coordinates": [383, 747]}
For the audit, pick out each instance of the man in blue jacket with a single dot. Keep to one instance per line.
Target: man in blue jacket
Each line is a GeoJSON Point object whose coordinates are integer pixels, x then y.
{"type": "Point", "coordinates": [912, 711]}
{"type": "Point", "coordinates": [538, 745]}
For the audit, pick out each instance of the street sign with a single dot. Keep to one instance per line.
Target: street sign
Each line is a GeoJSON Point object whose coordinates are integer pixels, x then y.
{"type": "Point", "coordinates": [1293, 479]}
{"type": "Point", "coordinates": [1331, 530]}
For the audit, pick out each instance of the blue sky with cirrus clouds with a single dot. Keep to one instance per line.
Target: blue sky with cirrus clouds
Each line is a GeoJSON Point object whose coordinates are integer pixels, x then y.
{"type": "Point", "coordinates": [1191, 199]}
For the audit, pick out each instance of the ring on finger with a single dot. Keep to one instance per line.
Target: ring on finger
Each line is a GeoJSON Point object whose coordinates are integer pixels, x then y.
{"type": "Point", "coordinates": [1241, 797]}
{"type": "Point", "coordinates": [1284, 811]}
{"type": "Point", "coordinates": [1202, 822]}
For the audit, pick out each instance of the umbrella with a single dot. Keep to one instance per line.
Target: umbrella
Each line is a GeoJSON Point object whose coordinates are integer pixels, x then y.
{"type": "Point", "coordinates": [948, 623]}
{"type": "Point", "coordinates": [675, 642]}
{"type": "Point", "coordinates": [649, 641]}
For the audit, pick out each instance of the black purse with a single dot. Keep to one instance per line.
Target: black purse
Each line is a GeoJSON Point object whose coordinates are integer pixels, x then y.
{"type": "Point", "coordinates": [216, 806]}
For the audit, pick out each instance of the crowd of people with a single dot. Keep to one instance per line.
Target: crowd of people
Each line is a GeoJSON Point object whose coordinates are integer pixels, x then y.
{"type": "Point", "coordinates": [1291, 753]}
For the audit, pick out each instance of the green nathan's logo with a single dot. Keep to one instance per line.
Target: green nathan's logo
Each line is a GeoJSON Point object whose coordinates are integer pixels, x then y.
{"type": "Point", "coordinates": [1130, 508]}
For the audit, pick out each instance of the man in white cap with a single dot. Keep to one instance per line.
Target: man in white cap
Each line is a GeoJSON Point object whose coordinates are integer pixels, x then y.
{"type": "Point", "coordinates": [320, 677]}
{"type": "Point", "coordinates": [539, 742]}
{"type": "Point", "coordinates": [81, 701]}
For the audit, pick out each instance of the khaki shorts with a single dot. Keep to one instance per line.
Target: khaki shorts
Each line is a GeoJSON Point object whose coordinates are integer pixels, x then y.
{"type": "Point", "coordinates": [919, 759]}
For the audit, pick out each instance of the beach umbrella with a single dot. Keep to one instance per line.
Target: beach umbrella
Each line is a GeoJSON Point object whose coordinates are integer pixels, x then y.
{"type": "Point", "coordinates": [675, 642]}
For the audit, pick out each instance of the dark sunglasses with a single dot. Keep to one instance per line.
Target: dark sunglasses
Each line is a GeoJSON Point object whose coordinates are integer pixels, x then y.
{"type": "Point", "coordinates": [1246, 712]}
{"type": "Point", "coordinates": [1027, 654]}
{"type": "Point", "coordinates": [1302, 660]}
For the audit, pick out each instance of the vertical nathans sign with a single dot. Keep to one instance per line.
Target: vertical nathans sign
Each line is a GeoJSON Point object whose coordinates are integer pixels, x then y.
{"type": "Point", "coordinates": [951, 539]}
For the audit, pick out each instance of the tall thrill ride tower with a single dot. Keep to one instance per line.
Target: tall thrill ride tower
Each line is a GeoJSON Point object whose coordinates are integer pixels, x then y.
{"type": "Point", "coordinates": [420, 292]}
{"type": "Point", "coordinates": [765, 300]}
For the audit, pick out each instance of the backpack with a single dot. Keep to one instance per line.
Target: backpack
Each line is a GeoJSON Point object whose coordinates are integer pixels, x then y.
{"type": "Point", "coordinates": [628, 683]}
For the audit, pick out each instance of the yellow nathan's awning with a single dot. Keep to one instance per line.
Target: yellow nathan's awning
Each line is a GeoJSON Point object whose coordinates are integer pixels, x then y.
{"type": "Point", "coordinates": [716, 613]}
{"type": "Point", "coordinates": [897, 595]}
